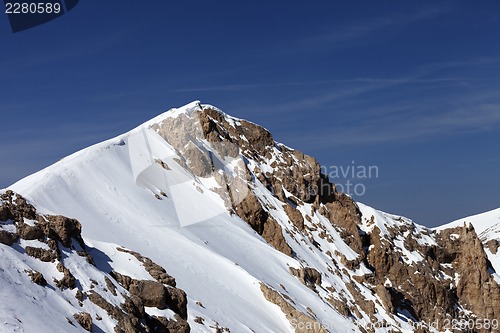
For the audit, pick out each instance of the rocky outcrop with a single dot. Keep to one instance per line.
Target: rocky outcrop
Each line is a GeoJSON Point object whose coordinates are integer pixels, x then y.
{"type": "Point", "coordinates": [493, 245]}
{"type": "Point", "coordinates": [164, 325]}
{"type": "Point", "coordinates": [131, 316]}
{"type": "Point", "coordinates": [295, 216]}
{"type": "Point", "coordinates": [84, 319]}
{"type": "Point", "coordinates": [156, 271]}
{"type": "Point", "coordinates": [45, 228]}
{"type": "Point", "coordinates": [476, 289]}
{"type": "Point", "coordinates": [8, 238]}
{"type": "Point", "coordinates": [310, 277]}
{"type": "Point", "coordinates": [302, 322]}
{"type": "Point", "coordinates": [454, 274]}
{"type": "Point", "coordinates": [30, 232]}
{"type": "Point", "coordinates": [62, 229]}
{"type": "Point", "coordinates": [128, 322]}
{"type": "Point", "coordinates": [251, 211]}
{"type": "Point", "coordinates": [37, 277]}
{"type": "Point", "coordinates": [155, 294]}
{"type": "Point", "coordinates": [42, 254]}
{"type": "Point", "coordinates": [68, 280]}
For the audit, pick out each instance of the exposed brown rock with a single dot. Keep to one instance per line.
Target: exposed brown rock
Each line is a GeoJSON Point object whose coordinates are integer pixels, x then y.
{"type": "Point", "coordinates": [123, 280]}
{"type": "Point", "coordinates": [127, 323]}
{"type": "Point", "coordinates": [42, 254]}
{"type": "Point", "coordinates": [476, 288]}
{"type": "Point", "coordinates": [5, 213]}
{"type": "Point", "coordinates": [63, 229]}
{"type": "Point", "coordinates": [111, 287]}
{"type": "Point", "coordinates": [385, 296]}
{"type": "Point", "coordinates": [273, 234]}
{"type": "Point", "coordinates": [79, 295]}
{"type": "Point", "coordinates": [308, 276]}
{"type": "Point", "coordinates": [422, 290]}
{"type": "Point", "coordinates": [295, 216]}
{"type": "Point", "coordinates": [46, 229]}
{"type": "Point", "coordinates": [68, 280]}
{"type": "Point", "coordinates": [251, 211]}
{"type": "Point", "coordinates": [84, 319]}
{"type": "Point", "coordinates": [303, 322]}
{"type": "Point", "coordinates": [493, 245]}
{"type": "Point", "coordinates": [7, 238]}
{"type": "Point", "coordinates": [156, 271]}
{"type": "Point", "coordinates": [155, 294]}
{"type": "Point", "coordinates": [198, 161]}
{"type": "Point", "coordinates": [341, 306]}
{"type": "Point", "coordinates": [37, 278]}
{"type": "Point", "coordinates": [15, 207]}
{"type": "Point", "coordinates": [417, 284]}
{"type": "Point", "coordinates": [133, 305]}
{"type": "Point", "coordinates": [28, 232]}
{"type": "Point", "coordinates": [344, 213]}
{"type": "Point", "coordinates": [88, 257]}
{"type": "Point", "coordinates": [131, 316]}
{"type": "Point", "coordinates": [164, 325]}
{"type": "Point", "coordinates": [259, 138]}
{"type": "Point", "coordinates": [177, 301]}
{"type": "Point", "coordinates": [152, 293]}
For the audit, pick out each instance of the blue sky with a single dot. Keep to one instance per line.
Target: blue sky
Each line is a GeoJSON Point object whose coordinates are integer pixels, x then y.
{"type": "Point", "coordinates": [410, 87]}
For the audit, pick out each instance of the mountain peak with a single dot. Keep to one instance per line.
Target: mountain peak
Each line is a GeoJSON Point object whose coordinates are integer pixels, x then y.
{"type": "Point", "coordinates": [187, 110]}
{"type": "Point", "coordinates": [230, 212]}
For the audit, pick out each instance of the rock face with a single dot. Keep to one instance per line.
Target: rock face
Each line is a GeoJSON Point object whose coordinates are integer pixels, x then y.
{"type": "Point", "coordinates": [251, 211]}
{"type": "Point", "coordinates": [155, 294]}
{"type": "Point", "coordinates": [85, 320]}
{"type": "Point", "coordinates": [7, 238]}
{"type": "Point", "coordinates": [37, 278]}
{"type": "Point", "coordinates": [403, 272]}
{"type": "Point", "coordinates": [476, 288]}
{"type": "Point", "coordinates": [301, 322]}
{"type": "Point", "coordinates": [308, 276]}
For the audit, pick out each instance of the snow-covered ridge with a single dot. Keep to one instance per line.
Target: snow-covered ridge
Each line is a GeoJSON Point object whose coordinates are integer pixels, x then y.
{"type": "Point", "coordinates": [487, 224]}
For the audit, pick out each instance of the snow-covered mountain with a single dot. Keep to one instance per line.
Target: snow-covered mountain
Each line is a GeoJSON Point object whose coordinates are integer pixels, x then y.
{"type": "Point", "coordinates": [198, 221]}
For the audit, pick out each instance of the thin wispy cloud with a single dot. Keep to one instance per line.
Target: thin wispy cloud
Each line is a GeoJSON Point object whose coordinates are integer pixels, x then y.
{"type": "Point", "coordinates": [58, 53]}
{"type": "Point", "coordinates": [367, 28]}
{"type": "Point", "coordinates": [244, 87]}
{"type": "Point", "coordinates": [355, 89]}
{"type": "Point", "coordinates": [412, 108]}
{"type": "Point", "coordinates": [399, 127]}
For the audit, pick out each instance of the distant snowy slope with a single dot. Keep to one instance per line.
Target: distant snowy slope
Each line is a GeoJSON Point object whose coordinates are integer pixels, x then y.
{"type": "Point", "coordinates": [487, 224]}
